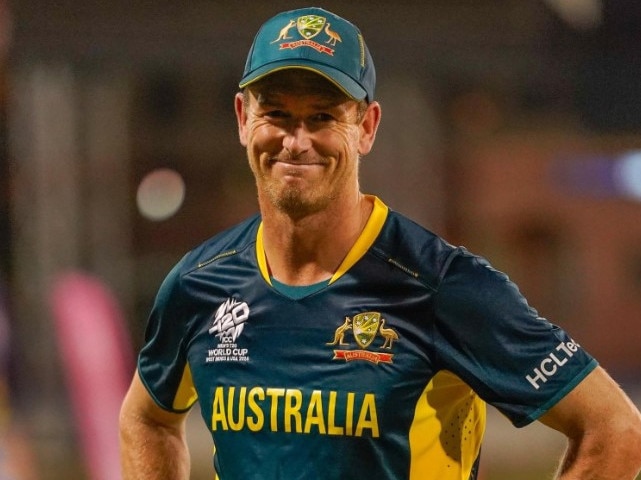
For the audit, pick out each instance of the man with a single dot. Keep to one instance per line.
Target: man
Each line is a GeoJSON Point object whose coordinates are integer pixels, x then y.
{"type": "Point", "coordinates": [331, 337]}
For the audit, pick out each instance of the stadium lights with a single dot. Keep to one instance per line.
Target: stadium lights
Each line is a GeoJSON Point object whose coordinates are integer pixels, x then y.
{"type": "Point", "coordinates": [579, 14]}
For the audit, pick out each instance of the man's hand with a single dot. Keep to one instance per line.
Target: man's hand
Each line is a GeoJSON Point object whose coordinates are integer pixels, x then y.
{"type": "Point", "coordinates": [603, 428]}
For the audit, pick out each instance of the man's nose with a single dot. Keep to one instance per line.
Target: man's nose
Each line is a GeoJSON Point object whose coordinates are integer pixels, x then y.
{"type": "Point", "coordinates": [298, 139]}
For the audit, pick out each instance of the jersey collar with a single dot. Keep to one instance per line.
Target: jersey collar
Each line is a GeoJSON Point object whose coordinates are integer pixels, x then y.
{"type": "Point", "coordinates": [372, 228]}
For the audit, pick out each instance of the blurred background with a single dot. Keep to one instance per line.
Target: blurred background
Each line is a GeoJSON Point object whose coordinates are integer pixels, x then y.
{"type": "Point", "coordinates": [511, 127]}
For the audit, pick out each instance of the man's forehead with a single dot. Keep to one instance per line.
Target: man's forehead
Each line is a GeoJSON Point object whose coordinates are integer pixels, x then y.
{"type": "Point", "coordinates": [297, 81]}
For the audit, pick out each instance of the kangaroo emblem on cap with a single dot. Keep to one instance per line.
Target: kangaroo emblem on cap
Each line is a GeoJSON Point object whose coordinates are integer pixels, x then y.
{"type": "Point", "coordinates": [284, 31]}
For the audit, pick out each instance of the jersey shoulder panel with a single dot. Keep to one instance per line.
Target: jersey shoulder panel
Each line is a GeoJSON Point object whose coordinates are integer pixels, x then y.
{"type": "Point", "coordinates": [414, 249]}
{"type": "Point", "coordinates": [226, 243]}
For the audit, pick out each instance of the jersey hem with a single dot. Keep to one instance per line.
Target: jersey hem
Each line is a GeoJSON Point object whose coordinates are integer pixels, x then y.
{"type": "Point", "coordinates": [559, 395]}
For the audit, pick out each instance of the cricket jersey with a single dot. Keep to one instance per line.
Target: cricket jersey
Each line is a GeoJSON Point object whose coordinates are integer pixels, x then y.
{"type": "Point", "coordinates": [382, 372]}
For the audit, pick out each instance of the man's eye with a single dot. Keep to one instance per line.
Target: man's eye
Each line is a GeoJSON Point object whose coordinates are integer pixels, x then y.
{"type": "Point", "coordinates": [278, 114]}
{"type": "Point", "coordinates": [322, 117]}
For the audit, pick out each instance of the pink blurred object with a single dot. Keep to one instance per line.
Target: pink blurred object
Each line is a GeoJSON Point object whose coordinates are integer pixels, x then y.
{"type": "Point", "coordinates": [98, 363]}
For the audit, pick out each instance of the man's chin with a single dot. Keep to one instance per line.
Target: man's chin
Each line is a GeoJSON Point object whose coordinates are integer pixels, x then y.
{"type": "Point", "coordinates": [297, 205]}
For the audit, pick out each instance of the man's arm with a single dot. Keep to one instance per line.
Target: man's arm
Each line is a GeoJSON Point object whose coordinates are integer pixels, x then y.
{"type": "Point", "coordinates": [152, 440]}
{"type": "Point", "coordinates": [603, 428]}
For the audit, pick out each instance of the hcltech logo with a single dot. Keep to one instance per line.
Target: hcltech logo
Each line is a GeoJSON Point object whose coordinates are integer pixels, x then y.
{"type": "Point", "coordinates": [366, 327]}
{"type": "Point", "coordinates": [229, 322]}
{"type": "Point", "coordinates": [552, 363]}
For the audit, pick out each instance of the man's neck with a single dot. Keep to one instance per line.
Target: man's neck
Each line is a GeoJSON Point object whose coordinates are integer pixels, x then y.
{"type": "Point", "coordinates": [308, 250]}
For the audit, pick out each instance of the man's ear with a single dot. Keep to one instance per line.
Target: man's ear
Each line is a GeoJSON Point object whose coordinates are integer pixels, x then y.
{"type": "Point", "coordinates": [368, 127]}
{"type": "Point", "coordinates": [241, 117]}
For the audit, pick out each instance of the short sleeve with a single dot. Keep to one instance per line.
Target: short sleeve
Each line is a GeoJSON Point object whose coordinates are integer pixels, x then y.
{"type": "Point", "coordinates": [487, 334]}
{"type": "Point", "coordinates": [162, 362]}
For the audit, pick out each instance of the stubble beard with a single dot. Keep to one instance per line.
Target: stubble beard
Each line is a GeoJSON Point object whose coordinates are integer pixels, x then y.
{"type": "Point", "coordinates": [301, 199]}
{"type": "Point", "coordinates": [294, 201]}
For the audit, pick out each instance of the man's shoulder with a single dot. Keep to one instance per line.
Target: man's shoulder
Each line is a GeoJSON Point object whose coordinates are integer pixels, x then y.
{"type": "Point", "coordinates": [408, 244]}
{"type": "Point", "coordinates": [402, 234]}
{"type": "Point", "coordinates": [223, 244]}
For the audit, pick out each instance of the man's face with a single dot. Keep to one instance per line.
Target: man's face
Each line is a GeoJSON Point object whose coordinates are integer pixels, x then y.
{"type": "Point", "coordinates": [303, 139]}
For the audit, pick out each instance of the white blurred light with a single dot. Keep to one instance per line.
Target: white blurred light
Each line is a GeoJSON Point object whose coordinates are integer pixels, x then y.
{"type": "Point", "coordinates": [580, 14]}
{"type": "Point", "coordinates": [627, 174]}
{"type": "Point", "coordinates": [160, 194]}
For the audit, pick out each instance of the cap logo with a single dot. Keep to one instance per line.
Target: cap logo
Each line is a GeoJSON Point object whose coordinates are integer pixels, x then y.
{"type": "Point", "coordinates": [316, 40]}
{"type": "Point", "coordinates": [308, 27]}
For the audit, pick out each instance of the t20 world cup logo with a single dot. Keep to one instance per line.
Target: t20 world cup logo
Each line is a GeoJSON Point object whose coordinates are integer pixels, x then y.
{"type": "Point", "coordinates": [230, 319]}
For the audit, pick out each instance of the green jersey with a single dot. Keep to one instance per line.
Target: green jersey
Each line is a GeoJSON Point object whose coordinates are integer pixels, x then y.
{"type": "Point", "coordinates": [383, 372]}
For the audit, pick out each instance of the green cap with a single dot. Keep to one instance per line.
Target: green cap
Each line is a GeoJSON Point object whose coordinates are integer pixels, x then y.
{"type": "Point", "coordinates": [313, 39]}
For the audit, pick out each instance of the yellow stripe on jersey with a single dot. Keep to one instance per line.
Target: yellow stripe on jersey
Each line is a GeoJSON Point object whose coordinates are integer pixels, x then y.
{"type": "Point", "coordinates": [260, 255]}
{"type": "Point", "coordinates": [186, 394]}
{"type": "Point", "coordinates": [216, 477]}
{"type": "Point", "coordinates": [372, 228]}
{"type": "Point", "coordinates": [445, 436]}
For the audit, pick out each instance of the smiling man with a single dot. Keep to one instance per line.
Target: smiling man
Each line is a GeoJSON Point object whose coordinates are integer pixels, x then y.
{"type": "Point", "coordinates": [302, 136]}
{"type": "Point", "coordinates": [331, 337]}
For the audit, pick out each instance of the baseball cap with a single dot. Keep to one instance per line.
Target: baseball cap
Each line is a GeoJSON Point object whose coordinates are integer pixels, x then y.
{"type": "Point", "coordinates": [314, 39]}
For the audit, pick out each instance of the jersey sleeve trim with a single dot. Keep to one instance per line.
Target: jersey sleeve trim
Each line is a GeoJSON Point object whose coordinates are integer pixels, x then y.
{"type": "Point", "coordinates": [156, 400]}
{"type": "Point", "coordinates": [536, 414]}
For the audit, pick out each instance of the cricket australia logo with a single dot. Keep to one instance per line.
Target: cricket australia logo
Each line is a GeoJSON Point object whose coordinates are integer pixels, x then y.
{"type": "Point", "coordinates": [308, 27]}
{"type": "Point", "coordinates": [228, 323]}
{"type": "Point", "coordinates": [365, 327]}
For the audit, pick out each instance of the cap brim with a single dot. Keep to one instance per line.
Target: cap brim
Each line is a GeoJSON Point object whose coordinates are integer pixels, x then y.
{"type": "Point", "coordinates": [344, 82]}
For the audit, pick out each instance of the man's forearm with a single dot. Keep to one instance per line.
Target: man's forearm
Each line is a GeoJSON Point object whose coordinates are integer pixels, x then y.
{"type": "Point", "coordinates": [586, 460]}
{"type": "Point", "coordinates": [152, 452]}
